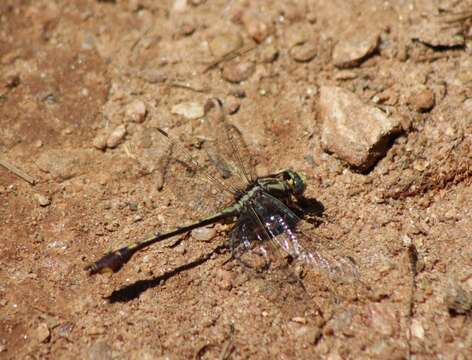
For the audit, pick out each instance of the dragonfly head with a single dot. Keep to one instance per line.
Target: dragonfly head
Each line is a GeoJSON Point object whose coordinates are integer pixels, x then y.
{"type": "Point", "coordinates": [295, 181]}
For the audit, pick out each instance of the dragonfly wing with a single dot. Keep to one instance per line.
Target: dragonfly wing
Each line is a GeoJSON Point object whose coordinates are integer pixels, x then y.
{"type": "Point", "coordinates": [283, 227]}
{"type": "Point", "coordinates": [248, 240]}
{"type": "Point", "coordinates": [226, 147]}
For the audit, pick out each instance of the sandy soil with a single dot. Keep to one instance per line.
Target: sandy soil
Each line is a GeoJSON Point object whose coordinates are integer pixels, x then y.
{"type": "Point", "coordinates": [74, 76]}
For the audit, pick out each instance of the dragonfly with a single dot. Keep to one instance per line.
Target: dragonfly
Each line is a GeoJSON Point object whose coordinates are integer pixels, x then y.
{"type": "Point", "coordinates": [263, 210]}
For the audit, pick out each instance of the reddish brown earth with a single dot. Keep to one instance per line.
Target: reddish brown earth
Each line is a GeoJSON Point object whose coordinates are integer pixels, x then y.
{"type": "Point", "coordinates": [71, 73]}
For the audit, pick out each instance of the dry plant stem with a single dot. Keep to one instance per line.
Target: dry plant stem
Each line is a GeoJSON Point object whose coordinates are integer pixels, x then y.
{"type": "Point", "coordinates": [29, 179]}
{"type": "Point", "coordinates": [229, 56]}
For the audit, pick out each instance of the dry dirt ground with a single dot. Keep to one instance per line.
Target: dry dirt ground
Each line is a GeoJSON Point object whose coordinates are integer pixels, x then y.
{"type": "Point", "coordinates": [83, 86]}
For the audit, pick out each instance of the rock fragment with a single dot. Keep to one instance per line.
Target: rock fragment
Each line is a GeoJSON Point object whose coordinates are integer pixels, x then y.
{"type": "Point", "coordinates": [116, 136]}
{"type": "Point", "coordinates": [232, 105]}
{"type": "Point", "coordinates": [458, 300]}
{"type": "Point", "coordinates": [225, 279]}
{"type": "Point", "coordinates": [350, 51]}
{"type": "Point", "coordinates": [100, 351]}
{"type": "Point", "coordinates": [153, 76]}
{"type": "Point", "coordinates": [236, 71]}
{"type": "Point", "coordinates": [100, 141]}
{"type": "Point", "coordinates": [256, 26]}
{"type": "Point", "coordinates": [417, 329]}
{"type": "Point", "coordinates": [422, 101]}
{"type": "Point", "coordinates": [433, 32]}
{"type": "Point", "coordinates": [136, 111]}
{"type": "Point", "coordinates": [355, 132]}
{"type": "Point", "coordinates": [303, 52]}
{"type": "Point", "coordinates": [224, 43]}
{"type": "Point", "coordinates": [189, 110]}
{"type": "Point", "coordinates": [204, 233]}
{"type": "Point", "coordinates": [43, 200]}
{"type": "Point", "coordinates": [42, 333]}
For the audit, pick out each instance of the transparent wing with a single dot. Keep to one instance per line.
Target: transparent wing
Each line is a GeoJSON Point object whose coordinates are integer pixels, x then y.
{"type": "Point", "coordinates": [284, 229]}
{"type": "Point", "coordinates": [209, 163]}
{"type": "Point", "coordinates": [226, 148]}
{"type": "Point", "coordinates": [248, 238]}
{"type": "Point", "coordinates": [182, 169]}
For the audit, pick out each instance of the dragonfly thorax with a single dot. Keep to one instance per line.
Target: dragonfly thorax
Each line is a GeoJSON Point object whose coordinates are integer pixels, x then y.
{"type": "Point", "coordinates": [283, 184]}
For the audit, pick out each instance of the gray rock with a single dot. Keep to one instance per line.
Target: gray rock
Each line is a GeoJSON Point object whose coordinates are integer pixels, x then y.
{"type": "Point", "coordinates": [355, 132]}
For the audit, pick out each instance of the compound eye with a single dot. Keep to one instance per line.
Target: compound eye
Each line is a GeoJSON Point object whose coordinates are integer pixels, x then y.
{"type": "Point", "coordinates": [298, 183]}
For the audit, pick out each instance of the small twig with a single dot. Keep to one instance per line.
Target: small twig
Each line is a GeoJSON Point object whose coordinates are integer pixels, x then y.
{"type": "Point", "coordinates": [231, 55]}
{"type": "Point", "coordinates": [18, 172]}
{"type": "Point", "coordinates": [434, 57]}
{"type": "Point", "coordinates": [228, 346]}
{"type": "Point", "coordinates": [188, 87]}
{"type": "Point", "coordinates": [413, 260]}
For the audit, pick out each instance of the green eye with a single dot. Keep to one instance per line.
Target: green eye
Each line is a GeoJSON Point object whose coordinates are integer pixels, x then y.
{"type": "Point", "coordinates": [297, 182]}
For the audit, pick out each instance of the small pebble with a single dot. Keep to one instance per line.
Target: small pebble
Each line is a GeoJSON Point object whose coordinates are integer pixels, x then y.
{"type": "Point", "coordinates": [204, 233]}
{"type": "Point", "coordinates": [345, 75]}
{"type": "Point", "coordinates": [256, 27]}
{"type": "Point", "coordinates": [232, 105]}
{"type": "Point", "coordinates": [417, 329]}
{"type": "Point", "coordinates": [423, 101]}
{"type": "Point", "coordinates": [100, 351]}
{"type": "Point", "coordinates": [43, 200]}
{"type": "Point", "coordinates": [189, 110]}
{"type": "Point", "coordinates": [38, 144]}
{"type": "Point", "coordinates": [116, 136]}
{"type": "Point", "coordinates": [303, 52]}
{"type": "Point", "coordinates": [180, 5]}
{"type": "Point", "coordinates": [133, 206]}
{"type": "Point", "coordinates": [42, 333]}
{"type": "Point", "coordinates": [187, 29]}
{"type": "Point", "coordinates": [225, 279]}
{"type": "Point", "coordinates": [153, 76]}
{"type": "Point", "coordinates": [100, 141]}
{"type": "Point", "coordinates": [235, 71]}
{"type": "Point", "coordinates": [355, 48]}
{"type": "Point", "coordinates": [268, 53]}
{"type": "Point", "coordinates": [65, 329]}
{"type": "Point", "coordinates": [299, 319]}
{"type": "Point", "coordinates": [224, 43]}
{"type": "Point", "coordinates": [458, 300]}
{"type": "Point", "coordinates": [136, 111]}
